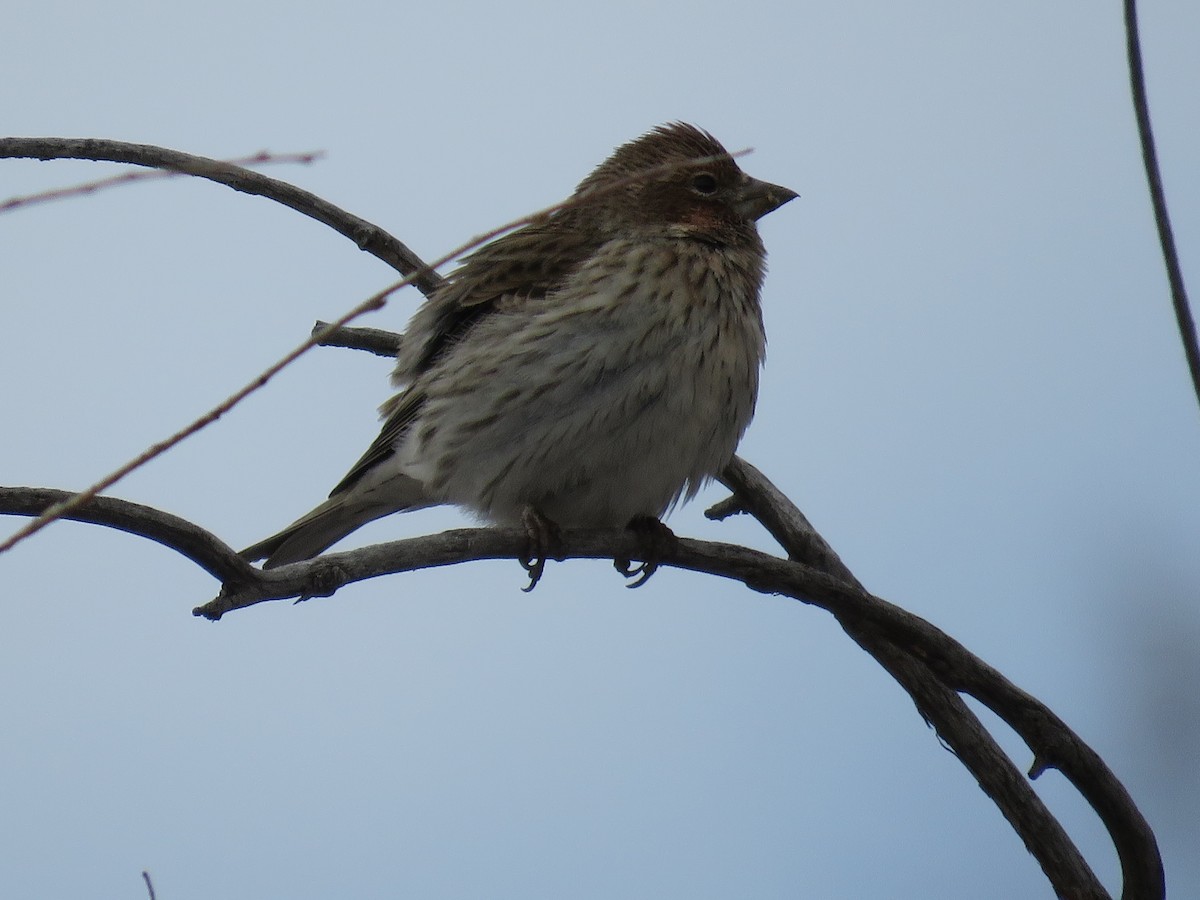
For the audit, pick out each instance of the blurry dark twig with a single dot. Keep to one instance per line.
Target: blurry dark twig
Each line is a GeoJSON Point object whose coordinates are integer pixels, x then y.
{"type": "Point", "coordinates": [1166, 237]}
{"type": "Point", "coordinates": [149, 884]}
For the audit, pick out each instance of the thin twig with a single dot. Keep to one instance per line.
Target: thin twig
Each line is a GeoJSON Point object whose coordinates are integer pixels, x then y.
{"type": "Point", "coordinates": [1166, 237]}
{"type": "Point", "coordinates": [370, 238]}
{"type": "Point", "coordinates": [76, 501]}
{"type": "Point", "coordinates": [262, 158]}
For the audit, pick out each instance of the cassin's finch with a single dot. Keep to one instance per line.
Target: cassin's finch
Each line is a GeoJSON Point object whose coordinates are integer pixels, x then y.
{"type": "Point", "coordinates": [589, 370]}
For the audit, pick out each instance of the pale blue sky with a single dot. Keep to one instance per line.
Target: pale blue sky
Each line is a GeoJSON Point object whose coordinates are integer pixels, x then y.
{"type": "Point", "coordinates": [974, 389]}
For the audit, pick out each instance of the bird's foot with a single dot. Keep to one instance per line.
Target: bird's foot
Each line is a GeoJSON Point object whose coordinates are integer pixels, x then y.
{"type": "Point", "coordinates": [654, 540]}
{"type": "Point", "coordinates": [545, 542]}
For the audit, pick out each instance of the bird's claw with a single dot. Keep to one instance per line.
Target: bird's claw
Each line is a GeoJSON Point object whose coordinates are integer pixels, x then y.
{"type": "Point", "coordinates": [534, 567]}
{"type": "Point", "coordinates": [544, 542]}
{"type": "Point", "coordinates": [642, 571]}
{"type": "Point", "coordinates": [655, 539]}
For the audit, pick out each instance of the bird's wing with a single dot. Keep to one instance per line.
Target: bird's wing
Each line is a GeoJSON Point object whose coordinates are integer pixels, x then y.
{"type": "Point", "coordinates": [525, 265]}
{"type": "Point", "coordinates": [400, 411]}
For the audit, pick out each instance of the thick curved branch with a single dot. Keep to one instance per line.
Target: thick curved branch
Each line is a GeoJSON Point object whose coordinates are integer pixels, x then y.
{"type": "Point", "coordinates": [929, 664]}
{"type": "Point", "coordinates": [367, 236]}
{"type": "Point", "coordinates": [202, 547]}
{"type": "Point", "coordinates": [1053, 743]}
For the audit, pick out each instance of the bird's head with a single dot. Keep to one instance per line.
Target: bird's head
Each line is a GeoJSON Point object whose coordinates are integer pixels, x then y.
{"type": "Point", "coordinates": [678, 180]}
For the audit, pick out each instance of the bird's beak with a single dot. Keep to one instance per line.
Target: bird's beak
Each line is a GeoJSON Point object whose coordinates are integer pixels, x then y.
{"type": "Point", "coordinates": [757, 198]}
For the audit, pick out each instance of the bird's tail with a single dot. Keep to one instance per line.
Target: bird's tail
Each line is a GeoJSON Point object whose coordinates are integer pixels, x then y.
{"type": "Point", "coordinates": [341, 514]}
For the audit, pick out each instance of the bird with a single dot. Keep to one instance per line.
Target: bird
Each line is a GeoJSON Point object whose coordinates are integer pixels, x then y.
{"type": "Point", "coordinates": [591, 369]}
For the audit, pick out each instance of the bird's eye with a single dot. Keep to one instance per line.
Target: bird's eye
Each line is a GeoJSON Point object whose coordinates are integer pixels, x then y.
{"type": "Point", "coordinates": [704, 183]}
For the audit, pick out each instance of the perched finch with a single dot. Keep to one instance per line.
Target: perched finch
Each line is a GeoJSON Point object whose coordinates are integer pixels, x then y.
{"type": "Point", "coordinates": [588, 370]}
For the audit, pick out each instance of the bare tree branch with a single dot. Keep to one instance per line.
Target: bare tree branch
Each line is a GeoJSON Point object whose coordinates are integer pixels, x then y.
{"type": "Point", "coordinates": [374, 340]}
{"type": "Point", "coordinates": [1166, 237]}
{"type": "Point", "coordinates": [263, 157]}
{"type": "Point", "coordinates": [202, 547]}
{"type": "Point", "coordinates": [930, 665]}
{"type": "Point", "coordinates": [1053, 743]}
{"type": "Point", "coordinates": [368, 237]}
